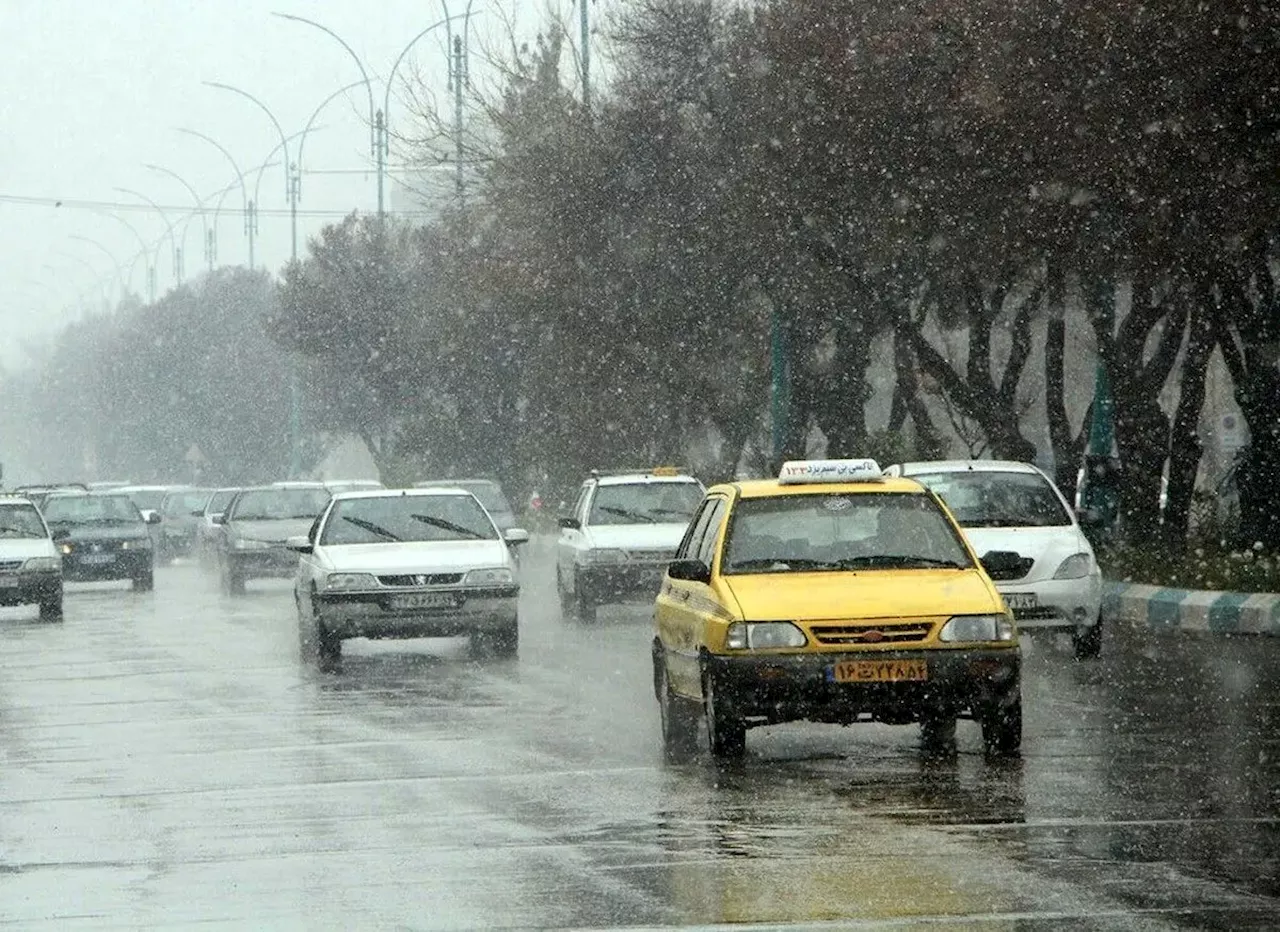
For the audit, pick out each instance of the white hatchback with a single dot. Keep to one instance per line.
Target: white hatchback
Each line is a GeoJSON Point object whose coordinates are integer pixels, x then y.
{"type": "Point", "coordinates": [406, 564]}
{"type": "Point", "coordinates": [1014, 507]}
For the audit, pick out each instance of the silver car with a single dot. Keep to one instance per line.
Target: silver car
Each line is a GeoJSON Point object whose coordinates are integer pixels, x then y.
{"type": "Point", "coordinates": [407, 564]}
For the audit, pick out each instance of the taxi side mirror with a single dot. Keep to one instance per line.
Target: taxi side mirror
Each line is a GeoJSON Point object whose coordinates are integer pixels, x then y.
{"type": "Point", "coordinates": [1003, 565]}
{"type": "Point", "coordinates": [689, 571]}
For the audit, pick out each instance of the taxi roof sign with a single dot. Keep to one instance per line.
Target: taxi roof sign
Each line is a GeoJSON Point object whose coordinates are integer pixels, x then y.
{"type": "Point", "coordinates": [811, 472]}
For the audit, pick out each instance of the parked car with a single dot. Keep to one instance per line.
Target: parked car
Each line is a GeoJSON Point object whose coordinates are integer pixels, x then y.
{"type": "Point", "coordinates": [30, 566]}
{"type": "Point", "coordinates": [102, 536]}
{"type": "Point", "coordinates": [257, 523]}
{"type": "Point", "coordinates": [407, 564]}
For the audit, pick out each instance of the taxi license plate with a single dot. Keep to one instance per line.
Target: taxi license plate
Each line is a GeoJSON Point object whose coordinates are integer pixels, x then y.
{"type": "Point", "coordinates": [98, 558]}
{"type": "Point", "coordinates": [1021, 601]}
{"type": "Point", "coordinates": [880, 671]}
{"type": "Point", "coordinates": [425, 600]}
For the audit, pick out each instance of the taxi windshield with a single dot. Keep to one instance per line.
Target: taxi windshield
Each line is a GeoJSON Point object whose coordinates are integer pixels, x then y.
{"type": "Point", "coordinates": [645, 503]}
{"type": "Point", "coordinates": [838, 531]}
{"type": "Point", "coordinates": [987, 498]}
{"type": "Point", "coordinates": [392, 519]}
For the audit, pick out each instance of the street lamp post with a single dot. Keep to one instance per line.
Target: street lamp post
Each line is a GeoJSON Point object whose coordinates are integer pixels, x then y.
{"type": "Point", "coordinates": [173, 240]}
{"type": "Point", "coordinates": [250, 216]}
{"type": "Point", "coordinates": [378, 121]}
{"type": "Point", "coordinates": [148, 255]}
{"type": "Point", "coordinates": [120, 282]}
{"type": "Point", "coordinates": [199, 202]}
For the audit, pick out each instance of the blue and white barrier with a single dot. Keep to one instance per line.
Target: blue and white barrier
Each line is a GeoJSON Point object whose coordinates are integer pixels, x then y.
{"type": "Point", "coordinates": [1163, 609]}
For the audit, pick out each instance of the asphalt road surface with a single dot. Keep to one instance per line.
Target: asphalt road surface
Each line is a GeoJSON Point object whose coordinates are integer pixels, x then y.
{"type": "Point", "coordinates": [167, 761]}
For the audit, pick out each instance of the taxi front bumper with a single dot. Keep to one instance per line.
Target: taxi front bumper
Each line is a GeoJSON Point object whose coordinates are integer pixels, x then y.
{"type": "Point", "coordinates": [767, 690]}
{"type": "Point", "coordinates": [390, 614]}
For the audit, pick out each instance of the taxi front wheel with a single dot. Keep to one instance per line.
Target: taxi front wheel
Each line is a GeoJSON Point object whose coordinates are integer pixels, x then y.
{"type": "Point", "coordinates": [726, 732]}
{"type": "Point", "coordinates": [1001, 724]}
{"type": "Point", "coordinates": [679, 721]}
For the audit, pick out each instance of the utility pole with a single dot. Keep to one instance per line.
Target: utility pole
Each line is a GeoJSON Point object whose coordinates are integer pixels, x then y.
{"type": "Point", "coordinates": [584, 26]}
{"type": "Point", "coordinates": [459, 75]}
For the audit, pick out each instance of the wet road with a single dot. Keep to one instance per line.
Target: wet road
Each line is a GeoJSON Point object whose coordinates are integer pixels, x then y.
{"type": "Point", "coordinates": [166, 761]}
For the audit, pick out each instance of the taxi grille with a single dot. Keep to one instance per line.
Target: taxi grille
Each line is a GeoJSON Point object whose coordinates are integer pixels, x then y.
{"type": "Point", "coordinates": [422, 579]}
{"type": "Point", "coordinates": [898, 633]}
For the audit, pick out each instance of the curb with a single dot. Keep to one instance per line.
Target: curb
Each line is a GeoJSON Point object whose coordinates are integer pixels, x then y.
{"type": "Point", "coordinates": [1162, 609]}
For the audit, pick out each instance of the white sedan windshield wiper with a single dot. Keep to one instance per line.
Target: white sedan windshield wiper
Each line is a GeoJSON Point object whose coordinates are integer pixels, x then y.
{"type": "Point", "coordinates": [449, 526]}
{"type": "Point", "coordinates": [371, 527]}
{"type": "Point", "coordinates": [628, 513]}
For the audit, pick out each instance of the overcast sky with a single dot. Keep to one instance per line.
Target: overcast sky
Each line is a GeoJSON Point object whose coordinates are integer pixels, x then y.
{"type": "Point", "coordinates": [91, 91]}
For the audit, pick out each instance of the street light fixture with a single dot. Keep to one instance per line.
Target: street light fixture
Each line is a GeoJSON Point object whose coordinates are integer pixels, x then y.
{"type": "Point", "coordinates": [120, 280]}
{"type": "Point", "coordinates": [149, 255]}
{"type": "Point", "coordinates": [250, 217]}
{"type": "Point", "coordinates": [173, 240]}
{"type": "Point", "coordinates": [199, 202]}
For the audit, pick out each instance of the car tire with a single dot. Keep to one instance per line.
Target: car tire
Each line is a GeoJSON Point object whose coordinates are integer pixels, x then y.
{"type": "Point", "coordinates": [584, 607]}
{"type": "Point", "coordinates": [1001, 724]}
{"type": "Point", "coordinates": [501, 642]}
{"type": "Point", "coordinates": [232, 582]}
{"type": "Point", "coordinates": [726, 732]}
{"type": "Point", "coordinates": [51, 608]}
{"type": "Point", "coordinates": [145, 581]}
{"type": "Point", "coordinates": [679, 718]}
{"type": "Point", "coordinates": [938, 733]}
{"type": "Point", "coordinates": [1087, 644]}
{"type": "Point", "coordinates": [328, 646]}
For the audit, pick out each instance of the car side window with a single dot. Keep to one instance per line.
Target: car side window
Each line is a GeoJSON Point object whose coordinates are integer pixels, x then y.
{"type": "Point", "coordinates": [697, 527]}
{"type": "Point", "coordinates": [707, 546]}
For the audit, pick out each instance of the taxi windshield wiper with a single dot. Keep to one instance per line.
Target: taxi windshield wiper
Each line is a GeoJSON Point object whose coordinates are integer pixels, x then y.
{"type": "Point", "coordinates": [896, 561]}
{"type": "Point", "coordinates": [370, 527]}
{"type": "Point", "coordinates": [449, 526]}
{"type": "Point", "coordinates": [628, 513]}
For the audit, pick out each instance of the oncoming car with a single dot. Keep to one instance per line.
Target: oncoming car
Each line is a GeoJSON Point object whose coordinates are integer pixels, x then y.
{"type": "Point", "coordinates": [407, 564]}
{"type": "Point", "coordinates": [831, 594]}
{"type": "Point", "coordinates": [623, 530]}
{"type": "Point", "coordinates": [30, 566]}
{"type": "Point", "coordinates": [1010, 506]}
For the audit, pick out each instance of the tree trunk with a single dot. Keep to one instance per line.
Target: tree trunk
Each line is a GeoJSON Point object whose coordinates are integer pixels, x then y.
{"type": "Point", "coordinates": [1185, 447]}
{"type": "Point", "coordinates": [907, 393]}
{"type": "Point", "coordinates": [1066, 457]}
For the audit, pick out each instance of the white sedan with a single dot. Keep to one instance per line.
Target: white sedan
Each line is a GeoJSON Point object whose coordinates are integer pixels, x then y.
{"type": "Point", "coordinates": [407, 564]}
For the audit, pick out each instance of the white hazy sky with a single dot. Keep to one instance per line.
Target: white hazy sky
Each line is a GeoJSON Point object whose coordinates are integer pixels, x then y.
{"type": "Point", "coordinates": [91, 91]}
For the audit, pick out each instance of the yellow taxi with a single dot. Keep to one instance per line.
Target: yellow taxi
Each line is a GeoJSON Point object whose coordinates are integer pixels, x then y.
{"type": "Point", "coordinates": [832, 594]}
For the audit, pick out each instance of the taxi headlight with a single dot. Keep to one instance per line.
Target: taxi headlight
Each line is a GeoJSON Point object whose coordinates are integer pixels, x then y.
{"type": "Point", "coordinates": [142, 543]}
{"type": "Point", "coordinates": [604, 555]}
{"type": "Point", "coordinates": [350, 581]}
{"type": "Point", "coordinates": [498, 576]}
{"type": "Point", "coordinates": [977, 628]}
{"type": "Point", "coordinates": [761, 635]}
{"type": "Point", "coordinates": [245, 543]}
{"type": "Point", "coordinates": [1076, 566]}
{"type": "Point", "coordinates": [42, 565]}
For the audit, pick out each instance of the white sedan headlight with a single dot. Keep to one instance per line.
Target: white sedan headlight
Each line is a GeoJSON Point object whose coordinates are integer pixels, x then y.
{"type": "Point", "coordinates": [977, 628]}
{"type": "Point", "coordinates": [350, 581]}
{"type": "Point", "coordinates": [761, 635]}
{"type": "Point", "coordinates": [604, 555]}
{"type": "Point", "coordinates": [1076, 566]}
{"type": "Point", "coordinates": [498, 576]}
{"type": "Point", "coordinates": [42, 565]}
{"type": "Point", "coordinates": [246, 543]}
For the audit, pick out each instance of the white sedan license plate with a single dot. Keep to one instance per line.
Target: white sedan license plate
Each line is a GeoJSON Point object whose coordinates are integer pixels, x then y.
{"type": "Point", "coordinates": [98, 558]}
{"type": "Point", "coordinates": [1021, 601]}
{"type": "Point", "coordinates": [425, 600]}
